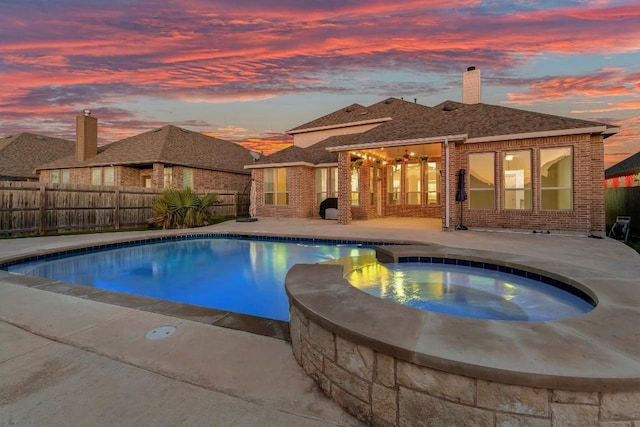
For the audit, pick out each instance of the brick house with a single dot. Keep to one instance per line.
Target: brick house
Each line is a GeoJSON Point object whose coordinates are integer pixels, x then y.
{"type": "Point", "coordinates": [168, 157]}
{"type": "Point", "coordinates": [20, 154]}
{"type": "Point", "coordinates": [520, 169]}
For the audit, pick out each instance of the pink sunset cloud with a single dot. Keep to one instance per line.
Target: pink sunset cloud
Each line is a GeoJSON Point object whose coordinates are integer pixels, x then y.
{"type": "Point", "coordinates": [607, 82]}
{"type": "Point", "coordinates": [57, 58]}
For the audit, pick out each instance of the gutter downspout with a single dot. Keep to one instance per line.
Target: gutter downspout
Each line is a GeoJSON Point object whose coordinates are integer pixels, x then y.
{"type": "Point", "coordinates": [446, 183]}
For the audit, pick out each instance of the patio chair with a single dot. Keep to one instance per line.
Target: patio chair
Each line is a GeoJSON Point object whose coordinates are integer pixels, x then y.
{"type": "Point", "coordinates": [329, 203]}
{"type": "Point", "coordinates": [620, 230]}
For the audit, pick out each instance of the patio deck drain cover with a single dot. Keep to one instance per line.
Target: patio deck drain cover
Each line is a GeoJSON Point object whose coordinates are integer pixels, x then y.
{"type": "Point", "coordinates": [161, 333]}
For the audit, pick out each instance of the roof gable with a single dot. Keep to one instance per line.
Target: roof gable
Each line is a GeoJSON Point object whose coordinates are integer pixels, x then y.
{"type": "Point", "coordinates": [315, 154]}
{"type": "Point", "coordinates": [349, 114]}
{"type": "Point", "coordinates": [390, 108]}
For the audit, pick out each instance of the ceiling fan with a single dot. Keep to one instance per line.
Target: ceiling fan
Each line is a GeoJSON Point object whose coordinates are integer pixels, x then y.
{"type": "Point", "coordinates": [412, 156]}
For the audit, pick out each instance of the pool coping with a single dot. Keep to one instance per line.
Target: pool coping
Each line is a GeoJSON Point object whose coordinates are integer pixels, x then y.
{"type": "Point", "coordinates": [594, 352]}
{"type": "Point", "coordinates": [257, 325]}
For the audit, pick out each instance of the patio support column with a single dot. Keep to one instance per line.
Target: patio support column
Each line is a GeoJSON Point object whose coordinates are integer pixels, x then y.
{"type": "Point", "coordinates": [344, 188]}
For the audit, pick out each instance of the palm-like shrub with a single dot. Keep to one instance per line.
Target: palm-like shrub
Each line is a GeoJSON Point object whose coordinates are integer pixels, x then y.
{"type": "Point", "coordinates": [182, 209]}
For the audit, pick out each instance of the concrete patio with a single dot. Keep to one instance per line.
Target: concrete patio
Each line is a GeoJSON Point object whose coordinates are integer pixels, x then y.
{"type": "Point", "coordinates": [70, 360]}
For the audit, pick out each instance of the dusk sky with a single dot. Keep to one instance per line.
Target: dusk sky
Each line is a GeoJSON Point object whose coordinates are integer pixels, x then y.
{"type": "Point", "coordinates": [248, 70]}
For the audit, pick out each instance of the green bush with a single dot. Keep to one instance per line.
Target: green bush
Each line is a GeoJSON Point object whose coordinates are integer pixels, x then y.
{"type": "Point", "coordinates": [182, 209]}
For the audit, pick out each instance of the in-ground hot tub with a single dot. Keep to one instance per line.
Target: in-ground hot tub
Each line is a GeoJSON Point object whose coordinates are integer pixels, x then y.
{"type": "Point", "coordinates": [394, 365]}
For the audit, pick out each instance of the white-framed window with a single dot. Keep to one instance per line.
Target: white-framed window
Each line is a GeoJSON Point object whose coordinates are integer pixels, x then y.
{"type": "Point", "coordinates": [96, 176]}
{"type": "Point", "coordinates": [432, 178]}
{"type": "Point", "coordinates": [516, 168]}
{"type": "Point", "coordinates": [187, 178]}
{"type": "Point", "coordinates": [276, 186]}
{"type": "Point", "coordinates": [326, 183]}
{"type": "Point", "coordinates": [394, 177]}
{"type": "Point", "coordinates": [412, 183]}
{"type": "Point", "coordinates": [482, 182]}
{"type": "Point", "coordinates": [103, 176]}
{"type": "Point", "coordinates": [355, 187]}
{"type": "Point", "coordinates": [108, 176]}
{"type": "Point", "coordinates": [556, 178]}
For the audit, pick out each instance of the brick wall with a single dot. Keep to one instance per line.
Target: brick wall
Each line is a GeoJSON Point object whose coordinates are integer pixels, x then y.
{"type": "Point", "coordinates": [132, 177]}
{"type": "Point", "coordinates": [344, 188]}
{"type": "Point", "coordinates": [587, 214]}
{"type": "Point", "coordinates": [76, 176]}
{"type": "Point", "coordinates": [301, 194]}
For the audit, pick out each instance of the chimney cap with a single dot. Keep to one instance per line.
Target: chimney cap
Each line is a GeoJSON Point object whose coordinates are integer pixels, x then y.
{"type": "Point", "coordinates": [471, 68]}
{"type": "Point", "coordinates": [86, 112]}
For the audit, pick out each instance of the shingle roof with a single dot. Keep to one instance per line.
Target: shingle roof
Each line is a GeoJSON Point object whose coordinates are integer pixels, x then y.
{"type": "Point", "coordinates": [169, 145]}
{"type": "Point", "coordinates": [315, 154]}
{"type": "Point", "coordinates": [415, 121]}
{"type": "Point", "coordinates": [484, 120]}
{"type": "Point", "coordinates": [628, 166]}
{"type": "Point", "coordinates": [391, 107]}
{"type": "Point", "coordinates": [21, 154]}
{"type": "Point", "coordinates": [473, 120]}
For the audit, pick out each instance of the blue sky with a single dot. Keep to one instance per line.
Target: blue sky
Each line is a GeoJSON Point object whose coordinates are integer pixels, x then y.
{"type": "Point", "coordinates": [249, 70]}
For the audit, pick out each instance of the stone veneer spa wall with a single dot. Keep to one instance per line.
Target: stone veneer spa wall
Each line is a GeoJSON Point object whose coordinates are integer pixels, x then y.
{"type": "Point", "coordinates": [388, 364]}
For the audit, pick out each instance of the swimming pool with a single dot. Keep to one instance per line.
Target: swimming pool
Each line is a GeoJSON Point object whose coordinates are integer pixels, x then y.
{"type": "Point", "coordinates": [246, 275]}
{"type": "Point", "coordinates": [462, 290]}
{"type": "Point", "coordinates": [235, 274]}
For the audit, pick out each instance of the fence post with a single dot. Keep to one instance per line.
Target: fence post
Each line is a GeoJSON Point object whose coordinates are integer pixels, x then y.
{"type": "Point", "coordinates": [236, 202]}
{"type": "Point", "coordinates": [117, 209]}
{"type": "Point", "coordinates": [43, 210]}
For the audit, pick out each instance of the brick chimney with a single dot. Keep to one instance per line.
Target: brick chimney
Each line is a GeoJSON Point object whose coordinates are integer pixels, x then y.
{"type": "Point", "coordinates": [471, 86]}
{"type": "Point", "coordinates": [86, 136]}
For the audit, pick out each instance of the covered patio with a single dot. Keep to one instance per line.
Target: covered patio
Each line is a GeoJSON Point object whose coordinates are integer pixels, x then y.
{"type": "Point", "coordinates": [406, 178]}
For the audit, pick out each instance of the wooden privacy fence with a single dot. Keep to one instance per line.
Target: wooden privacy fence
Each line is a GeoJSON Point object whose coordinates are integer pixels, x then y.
{"type": "Point", "coordinates": [31, 208]}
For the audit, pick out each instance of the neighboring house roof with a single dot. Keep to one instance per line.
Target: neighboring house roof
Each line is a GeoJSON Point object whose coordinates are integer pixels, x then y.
{"type": "Point", "coordinates": [21, 154]}
{"type": "Point", "coordinates": [412, 122]}
{"type": "Point", "coordinates": [628, 166]}
{"type": "Point", "coordinates": [169, 145]}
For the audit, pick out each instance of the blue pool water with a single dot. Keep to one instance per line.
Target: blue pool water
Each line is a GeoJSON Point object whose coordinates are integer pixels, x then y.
{"type": "Point", "coordinates": [247, 276]}
{"type": "Point", "coordinates": [242, 276]}
{"type": "Point", "coordinates": [468, 291]}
